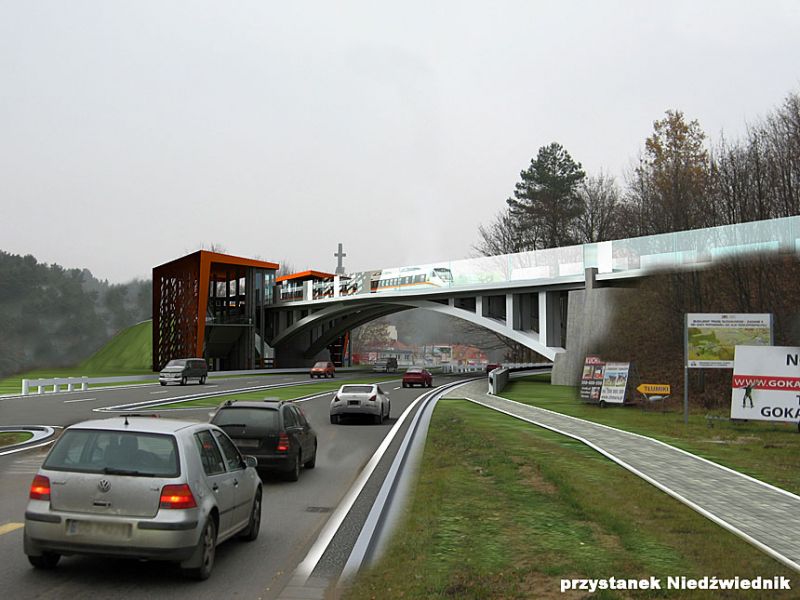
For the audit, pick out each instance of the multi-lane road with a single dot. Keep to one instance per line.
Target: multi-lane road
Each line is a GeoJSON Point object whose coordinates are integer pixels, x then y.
{"type": "Point", "coordinates": [293, 516]}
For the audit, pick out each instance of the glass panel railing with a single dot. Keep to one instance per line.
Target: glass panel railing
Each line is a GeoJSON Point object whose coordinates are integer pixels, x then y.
{"type": "Point", "coordinates": [668, 250]}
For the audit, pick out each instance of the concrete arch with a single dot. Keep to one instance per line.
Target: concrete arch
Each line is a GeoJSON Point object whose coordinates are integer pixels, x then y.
{"type": "Point", "coordinates": [348, 315]}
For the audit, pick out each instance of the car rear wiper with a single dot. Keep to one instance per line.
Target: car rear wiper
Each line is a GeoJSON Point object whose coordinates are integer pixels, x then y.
{"type": "Point", "coordinates": [114, 471]}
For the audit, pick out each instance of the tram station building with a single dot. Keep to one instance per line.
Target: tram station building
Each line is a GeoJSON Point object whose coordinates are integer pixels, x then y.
{"type": "Point", "coordinates": [217, 306]}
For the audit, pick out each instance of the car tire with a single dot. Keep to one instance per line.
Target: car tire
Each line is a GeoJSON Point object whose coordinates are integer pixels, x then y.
{"type": "Point", "coordinates": [183, 380]}
{"type": "Point", "coordinates": [379, 418]}
{"type": "Point", "coordinates": [206, 548]}
{"type": "Point", "coordinates": [45, 561]}
{"type": "Point", "coordinates": [163, 382]}
{"type": "Point", "coordinates": [250, 533]}
{"type": "Point", "coordinates": [203, 380]}
{"type": "Point", "coordinates": [313, 462]}
{"type": "Point", "coordinates": [294, 474]}
{"type": "Point", "coordinates": [388, 410]}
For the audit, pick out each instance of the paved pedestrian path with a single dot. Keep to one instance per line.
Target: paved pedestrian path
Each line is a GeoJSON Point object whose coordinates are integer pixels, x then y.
{"type": "Point", "coordinates": [764, 515]}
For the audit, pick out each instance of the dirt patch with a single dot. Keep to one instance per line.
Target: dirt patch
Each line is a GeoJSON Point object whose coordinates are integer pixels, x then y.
{"type": "Point", "coordinates": [533, 479]}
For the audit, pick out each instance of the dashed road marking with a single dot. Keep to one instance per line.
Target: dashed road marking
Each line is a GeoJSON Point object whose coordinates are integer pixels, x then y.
{"type": "Point", "coordinates": [79, 400]}
{"type": "Point", "coordinates": [9, 527]}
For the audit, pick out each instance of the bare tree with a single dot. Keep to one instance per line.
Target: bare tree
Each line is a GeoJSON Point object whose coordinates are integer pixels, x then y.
{"type": "Point", "coordinates": [502, 235]}
{"type": "Point", "coordinates": [601, 216]}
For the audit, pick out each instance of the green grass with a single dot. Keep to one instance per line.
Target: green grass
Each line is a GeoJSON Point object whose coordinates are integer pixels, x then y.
{"type": "Point", "coordinates": [127, 353]}
{"type": "Point", "coordinates": [764, 450]}
{"type": "Point", "coordinates": [284, 393]}
{"type": "Point", "coordinates": [14, 437]}
{"type": "Point", "coordinates": [505, 510]}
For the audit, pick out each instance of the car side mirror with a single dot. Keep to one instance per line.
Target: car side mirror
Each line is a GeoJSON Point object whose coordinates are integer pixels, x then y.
{"type": "Point", "coordinates": [250, 461]}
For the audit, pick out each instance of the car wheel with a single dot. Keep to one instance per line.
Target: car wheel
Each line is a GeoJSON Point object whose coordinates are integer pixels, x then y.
{"type": "Point", "coordinates": [163, 382]}
{"type": "Point", "coordinates": [203, 380]}
{"type": "Point", "coordinates": [250, 533]}
{"type": "Point", "coordinates": [206, 548]}
{"type": "Point", "coordinates": [334, 419]}
{"type": "Point", "coordinates": [294, 474]}
{"type": "Point", "coordinates": [47, 560]}
{"type": "Point", "coordinates": [313, 462]}
{"type": "Point", "coordinates": [379, 418]}
{"type": "Point", "coordinates": [183, 380]}
{"type": "Point", "coordinates": [388, 409]}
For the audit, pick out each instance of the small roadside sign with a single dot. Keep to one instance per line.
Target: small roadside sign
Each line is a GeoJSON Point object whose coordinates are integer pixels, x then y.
{"type": "Point", "coordinates": [654, 388]}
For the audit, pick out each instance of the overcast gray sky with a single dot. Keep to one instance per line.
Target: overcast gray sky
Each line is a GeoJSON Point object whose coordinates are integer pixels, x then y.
{"type": "Point", "coordinates": [130, 132]}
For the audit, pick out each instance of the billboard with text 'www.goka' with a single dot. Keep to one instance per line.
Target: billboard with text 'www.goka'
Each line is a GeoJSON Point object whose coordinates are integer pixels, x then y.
{"type": "Point", "coordinates": [766, 383]}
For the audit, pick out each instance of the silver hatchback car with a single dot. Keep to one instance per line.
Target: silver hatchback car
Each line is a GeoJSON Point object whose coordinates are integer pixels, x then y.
{"type": "Point", "coordinates": [142, 487]}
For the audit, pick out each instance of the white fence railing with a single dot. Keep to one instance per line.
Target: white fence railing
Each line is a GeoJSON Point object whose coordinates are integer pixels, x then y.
{"type": "Point", "coordinates": [82, 383]}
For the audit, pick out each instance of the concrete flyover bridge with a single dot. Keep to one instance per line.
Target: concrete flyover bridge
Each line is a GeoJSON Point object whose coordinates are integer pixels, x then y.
{"type": "Point", "coordinates": [555, 301]}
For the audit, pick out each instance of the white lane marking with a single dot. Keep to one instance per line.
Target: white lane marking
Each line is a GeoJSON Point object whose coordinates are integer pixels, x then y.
{"type": "Point", "coordinates": [312, 397]}
{"type": "Point", "coordinates": [397, 388]}
{"type": "Point", "coordinates": [305, 568]}
{"type": "Point", "coordinates": [80, 400]}
{"type": "Point", "coordinates": [160, 392]}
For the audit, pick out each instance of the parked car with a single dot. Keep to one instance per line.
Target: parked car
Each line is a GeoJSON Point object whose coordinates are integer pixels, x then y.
{"type": "Point", "coordinates": [181, 370]}
{"type": "Point", "coordinates": [364, 399]}
{"type": "Point", "coordinates": [276, 432]}
{"type": "Point", "coordinates": [145, 488]}
{"type": "Point", "coordinates": [323, 369]}
{"type": "Point", "coordinates": [385, 365]}
{"type": "Point", "coordinates": [417, 376]}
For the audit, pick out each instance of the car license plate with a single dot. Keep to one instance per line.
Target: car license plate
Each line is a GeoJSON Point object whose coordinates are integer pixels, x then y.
{"type": "Point", "coordinates": [353, 403]}
{"type": "Point", "coordinates": [99, 529]}
{"type": "Point", "coordinates": [247, 443]}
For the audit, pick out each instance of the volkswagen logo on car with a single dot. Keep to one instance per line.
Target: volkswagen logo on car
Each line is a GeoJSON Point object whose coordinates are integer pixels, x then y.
{"type": "Point", "coordinates": [104, 485]}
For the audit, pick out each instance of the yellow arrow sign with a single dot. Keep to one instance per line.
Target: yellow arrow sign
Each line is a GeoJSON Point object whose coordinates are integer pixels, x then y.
{"type": "Point", "coordinates": [654, 388]}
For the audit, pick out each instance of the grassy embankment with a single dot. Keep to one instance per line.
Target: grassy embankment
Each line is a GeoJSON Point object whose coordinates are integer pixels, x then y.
{"type": "Point", "coordinates": [504, 509]}
{"type": "Point", "coordinates": [14, 437]}
{"type": "Point", "coordinates": [284, 393]}
{"type": "Point", "coordinates": [127, 353]}
{"type": "Point", "coordinates": [764, 450]}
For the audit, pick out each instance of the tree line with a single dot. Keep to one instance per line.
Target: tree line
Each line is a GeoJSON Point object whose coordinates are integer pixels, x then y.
{"type": "Point", "coordinates": [681, 182]}
{"type": "Point", "coordinates": [53, 317]}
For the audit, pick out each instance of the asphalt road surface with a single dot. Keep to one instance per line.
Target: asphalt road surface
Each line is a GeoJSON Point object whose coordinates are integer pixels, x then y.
{"type": "Point", "coordinates": [293, 513]}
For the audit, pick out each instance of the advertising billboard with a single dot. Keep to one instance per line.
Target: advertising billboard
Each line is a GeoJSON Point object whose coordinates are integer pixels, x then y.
{"type": "Point", "coordinates": [592, 379]}
{"type": "Point", "coordinates": [766, 383]}
{"type": "Point", "coordinates": [711, 338]}
{"type": "Point", "coordinates": [615, 381]}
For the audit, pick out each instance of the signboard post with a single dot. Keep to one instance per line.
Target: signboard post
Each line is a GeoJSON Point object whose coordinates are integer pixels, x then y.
{"type": "Point", "coordinates": [711, 340]}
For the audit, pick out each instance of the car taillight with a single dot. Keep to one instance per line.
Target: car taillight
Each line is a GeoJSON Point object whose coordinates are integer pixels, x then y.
{"type": "Point", "coordinates": [283, 443]}
{"type": "Point", "coordinates": [372, 398]}
{"type": "Point", "coordinates": [40, 488]}
{"type": "Point", "coordinates": [336, 398]}
{"type": "Point", "coordinates": [177, 496]}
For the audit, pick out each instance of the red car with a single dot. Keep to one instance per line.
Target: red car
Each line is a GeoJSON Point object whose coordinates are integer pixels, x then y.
{"type": "Point", "coordinates": [323, 369]}
{"type": "Point", "coordinates": [492, 366]}
{"type": "Point", "coordinates": [417, 376]}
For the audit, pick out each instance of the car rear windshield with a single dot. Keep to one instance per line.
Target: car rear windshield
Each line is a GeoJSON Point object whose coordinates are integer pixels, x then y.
{"type": "Point", "coordinates": [414, 371]}
{"type": "Point", "coordinates": [321, 365]}
{"type": "Point", "coordinates": [356, 389]}
{"type": "Point", "coordinates": [176, 363]}
{"type": "Point", "coordinates": [260, 418]}
{"type": "Point", "coordinates": [115, 452]}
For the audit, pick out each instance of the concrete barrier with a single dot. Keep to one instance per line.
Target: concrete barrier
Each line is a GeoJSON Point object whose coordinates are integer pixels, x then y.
{"type": "Point", "coordinates": [498, 379]}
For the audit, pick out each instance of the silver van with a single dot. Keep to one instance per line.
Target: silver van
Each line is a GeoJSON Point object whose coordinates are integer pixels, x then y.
{"type": "Point", "coordinates": [181, 370]}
